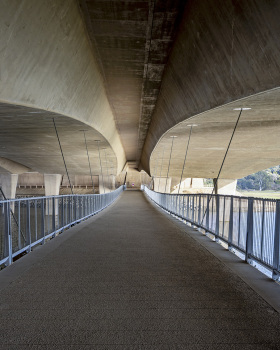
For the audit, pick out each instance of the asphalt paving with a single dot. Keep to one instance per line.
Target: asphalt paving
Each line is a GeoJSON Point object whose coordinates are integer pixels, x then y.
{"type": "Point", "coordinates": [130, 278]}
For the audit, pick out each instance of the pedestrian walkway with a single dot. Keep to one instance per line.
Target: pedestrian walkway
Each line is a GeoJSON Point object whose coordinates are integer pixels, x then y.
{"type": "Point", "coordinates": [129, 278]}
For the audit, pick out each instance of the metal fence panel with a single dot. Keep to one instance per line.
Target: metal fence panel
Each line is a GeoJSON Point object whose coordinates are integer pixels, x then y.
{"type": "Point", "coordinates": [29, 221]}
{"type": "Point", "coordinates": [251, 225]}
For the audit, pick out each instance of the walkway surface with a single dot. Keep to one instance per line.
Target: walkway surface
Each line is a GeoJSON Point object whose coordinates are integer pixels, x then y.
{"type": "Point", "coordinates": [129, 278]}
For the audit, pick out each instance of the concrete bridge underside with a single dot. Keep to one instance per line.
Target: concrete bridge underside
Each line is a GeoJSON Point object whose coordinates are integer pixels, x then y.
{"type": "Point", "coordinates": [132, 278]}
{"type": "Point", "coordinates": [129, 72]}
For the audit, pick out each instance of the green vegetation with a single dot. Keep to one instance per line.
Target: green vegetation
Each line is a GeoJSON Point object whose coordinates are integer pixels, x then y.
{"type": "Point", "coordinates": [268, 180]}
{"type": "Point", "coordinates": [260, 194]}
{"type": "Point", "coordinates": [208, 182]}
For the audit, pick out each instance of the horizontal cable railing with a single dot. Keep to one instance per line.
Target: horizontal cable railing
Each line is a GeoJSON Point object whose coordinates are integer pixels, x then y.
{"type": "Point", "coordinates": [27, 222]}
{"type": "Point", "coordinates": [249, 225]}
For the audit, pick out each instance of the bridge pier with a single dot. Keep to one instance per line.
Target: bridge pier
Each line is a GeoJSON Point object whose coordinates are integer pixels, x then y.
{"type": "Point", "coordinates": [225, 186]}
{"type": "Point", "coordinates": [8, 183]}
{"type": "Point", "coordinates": [52, 185]}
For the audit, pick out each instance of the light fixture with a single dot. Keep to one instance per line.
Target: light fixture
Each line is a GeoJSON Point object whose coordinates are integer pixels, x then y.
{"type": "Point", "coordinates": [243, 109]}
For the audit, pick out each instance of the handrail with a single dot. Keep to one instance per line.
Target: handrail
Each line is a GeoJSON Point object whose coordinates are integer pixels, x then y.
{"type": "Point", "coordinates": [248, 225]}
{"type": "Point", "coordinates": [40, 218]}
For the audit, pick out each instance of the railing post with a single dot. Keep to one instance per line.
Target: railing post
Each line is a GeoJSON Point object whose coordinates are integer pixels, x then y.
{"type": "Point", "coordinates": [70, 204]}
{"type": "Point", "coordinates": [8, 251]}
{"type": "Point", "coordinates": [42, 221]}
{"type": "Point", "coordinates": [53, 215]}
{"type": "Point", "coordinates": [75, 207]}
{"type": "Point", "coordinates": [230, 229]}
{"type": "Point", "coordinates": [275, 270]}
{"type": "Point", "coordinates": [207, 211]}
{"type": "Point", "coordinates": [28, 229]}
{"type": "Point", "coordinates": [35, 209]}
{"type": "Point", "coordinates": [192, 209]}
{"type": "Point", "coordinates": [19, 230]}
{"type": "Point", "coordinates": [199, 209]}
{"type": "Point", "coordinates": [217, 217]}
{"type": "Point", "coordinates": [249, 238]}
{"type": "Point", "coordinates": [80, 201]}
{"type": "Point", "coordinates": [62, 212]}
{"type": "Point", "coordinates": [263, 215]}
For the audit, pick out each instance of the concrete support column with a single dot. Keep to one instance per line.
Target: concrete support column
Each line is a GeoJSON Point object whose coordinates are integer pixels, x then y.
{"type": "Point", "coordinates": [185, 184]}
{"type": "Point", "coordinates": [197, 183]}
{"type": "Point", "coordinates": [8, 183]}
{"type": "Point", "coordinates": [226, 186]}
{"type": "Point", "coordinates": [160, 184]}
{"type": "Point", "coordinates": [52, 185]}
{"type": "Point", "coordinates": [104, 184]}
{"type": "Point", "coordinates": [113, 182]}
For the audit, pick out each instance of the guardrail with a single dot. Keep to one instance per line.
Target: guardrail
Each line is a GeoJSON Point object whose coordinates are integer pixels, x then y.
{"type": "Point", "coordinates": [27, 222]}
{"type": "Point", "coordinates": [249, 225]}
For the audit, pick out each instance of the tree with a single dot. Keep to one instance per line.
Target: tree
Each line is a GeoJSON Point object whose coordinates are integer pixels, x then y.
{"type": "Point", "coordinates": [258, 181]}
{"type": "Point", "coordinates": [262, 179]}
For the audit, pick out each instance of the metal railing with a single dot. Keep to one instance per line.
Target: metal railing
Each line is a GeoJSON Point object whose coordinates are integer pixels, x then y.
{"type": "Point", "coordinates": [249, 225]}
{"type": "Point", "coordinates": [27, 222]}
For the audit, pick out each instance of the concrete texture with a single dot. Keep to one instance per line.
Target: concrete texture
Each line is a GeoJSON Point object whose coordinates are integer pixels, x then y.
{"type": "Point", "coordinates": [225, 50]}
{"type": "Point", "coordinates": [47, 62]}
{"type": "Point", "coordinates": [8, 184]}
{"type": "Point", "coordinates": [133, 72]}
{"type": "Point", "coordinates": [255, 145]}
{"type": "Point", "coordinates": [131, 278]}
{"type": "Point", "coordinates": [11, 167]}
{"type": "Point", "coordinates": [162, 184]}
{"type": "Point", "coordinates": [52, 184]}
{"type": "Point", "coordinates": [226, 186]}
{"type": "Point", "coordinates": [106, 184]}
{"type": "Point", "coordinates": [28, 138]}
{"type": "Point", "coordinates": [132, 42]}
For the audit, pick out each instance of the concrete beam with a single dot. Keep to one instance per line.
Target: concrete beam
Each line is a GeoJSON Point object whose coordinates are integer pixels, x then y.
{"type": "Point", "coordinates": [8, 183]}
{"type": "Point", "coordinates": [47, 62]}
{"type": "Point", "coordinates": [219, 56]}
{"type": "Point", "coordinates": [13, 167]}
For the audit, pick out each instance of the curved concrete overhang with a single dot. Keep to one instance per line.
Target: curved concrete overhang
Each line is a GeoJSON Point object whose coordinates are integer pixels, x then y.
{"type": "Point", "coordinates": [46, 62]}
{"type": "Point", "coordinates": [225, 51]}
{"type": "Point", "coordinates": [11, 167]}
{"type": "Point", "coordinates": [28, 142]}
{"type": "Point", "coordinates": [255, 144]}
{"type": "Point", "coordinates": [132, 40]}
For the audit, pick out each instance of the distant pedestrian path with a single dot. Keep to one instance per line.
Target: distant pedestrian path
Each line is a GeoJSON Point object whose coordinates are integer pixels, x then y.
{"type": "Point", "coordinates": [129, 278]}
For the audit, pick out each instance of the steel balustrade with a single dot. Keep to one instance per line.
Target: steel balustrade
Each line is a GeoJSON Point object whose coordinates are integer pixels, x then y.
{"type": "Point", "coordinates": [249, 225]}
{"type": "Point", "coordinates": [27, 222]}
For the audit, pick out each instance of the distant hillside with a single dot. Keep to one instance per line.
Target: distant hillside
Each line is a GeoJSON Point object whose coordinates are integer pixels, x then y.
{"type": "Point", "coordinates": [268, 179]}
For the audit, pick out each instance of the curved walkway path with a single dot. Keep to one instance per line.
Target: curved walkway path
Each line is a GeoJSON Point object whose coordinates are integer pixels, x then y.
{"type": "Point", "coordinates": [130, 278]}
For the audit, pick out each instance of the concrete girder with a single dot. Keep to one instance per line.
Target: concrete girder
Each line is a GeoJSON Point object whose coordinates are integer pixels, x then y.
{"type": "Point", "coordinates": [224, 51]}
{"type": "Point", "coordinates": [47, 62]}
{"type": "Point", "coordinates": [132, 40]}
{"type": "Point", "coordinates": [255, 145]}
{"type": "Point", "coordinates": [12, 167]}
{"type": "Point", "coordinates": [29, 142]}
